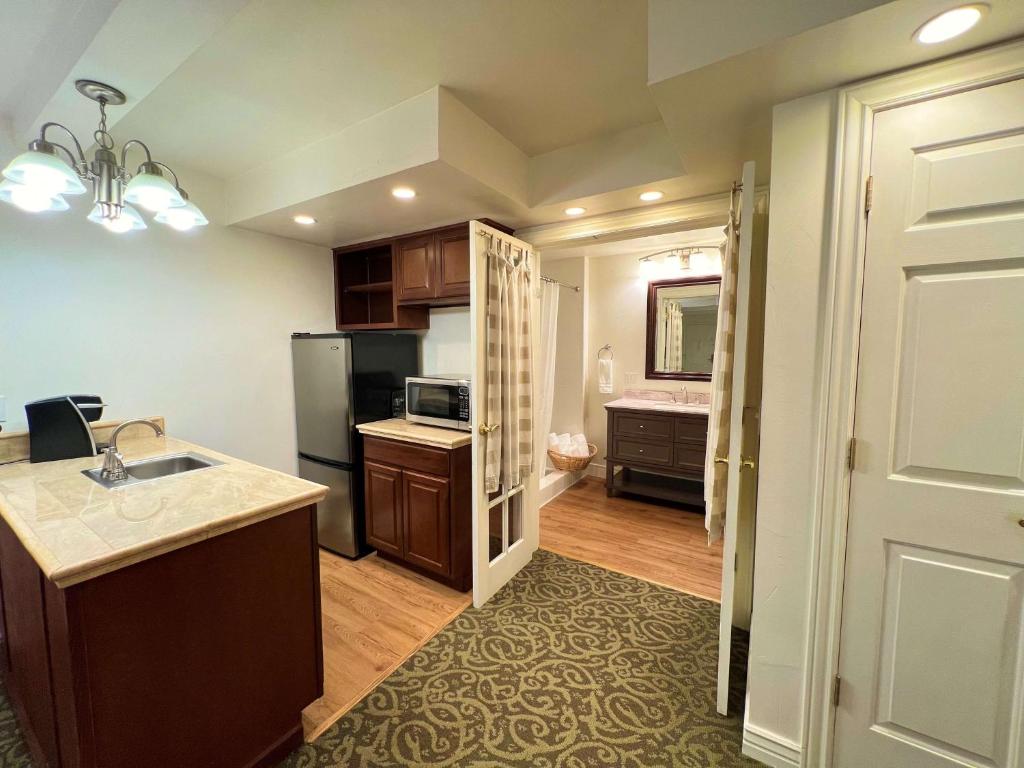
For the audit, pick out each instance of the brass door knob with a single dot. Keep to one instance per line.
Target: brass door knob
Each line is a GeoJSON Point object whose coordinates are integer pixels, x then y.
{"type": "Point", "coordinates": [721, 459]}
{"type": "Point", "coordinates": [486, 429]}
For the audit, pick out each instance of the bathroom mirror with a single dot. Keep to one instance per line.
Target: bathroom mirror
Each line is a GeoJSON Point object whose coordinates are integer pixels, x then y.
{"type": "Point", "coordinates": [682, 320]}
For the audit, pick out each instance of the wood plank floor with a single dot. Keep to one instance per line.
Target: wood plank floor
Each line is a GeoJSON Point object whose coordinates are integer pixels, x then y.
{"type": "Point", "coordinates": [663, 544]}
{"type": "Point", "coordinates": [375, 615]}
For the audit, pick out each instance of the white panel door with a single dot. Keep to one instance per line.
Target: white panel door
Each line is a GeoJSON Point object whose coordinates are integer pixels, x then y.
{"type": "Point", "coordinates": [737, 473]}
{"type": "Point", "coordinates": [506, 524]}
{"type": "Point", "coordinates": [932, 647]}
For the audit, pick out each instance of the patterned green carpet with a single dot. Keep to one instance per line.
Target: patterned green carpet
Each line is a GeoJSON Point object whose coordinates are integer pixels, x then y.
{"type": "Point", "coordinates": [569, 666]}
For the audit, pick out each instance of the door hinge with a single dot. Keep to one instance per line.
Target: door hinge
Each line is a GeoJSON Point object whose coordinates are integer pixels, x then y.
{"type": "Point", "coordinates": [736, 562]}
{"type": "Point", "coordinates": [869, 194]}
{"type": "Point", "coordinates": [851, 454]}
{"type": "Point", "coordinates": [836, 682]}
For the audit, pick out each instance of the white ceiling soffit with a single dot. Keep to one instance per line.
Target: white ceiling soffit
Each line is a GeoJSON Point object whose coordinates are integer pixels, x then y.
{"type": "Point", "coordinates": [720, 115]}
{"type": "Point", "coordinates": [161, 34]}
{"type": "Point", "coordinates": [404, 145]}
{"type": "Point", "coordinates": [639, 246]}
{"type": "Point", "coordinates": [684, 35]}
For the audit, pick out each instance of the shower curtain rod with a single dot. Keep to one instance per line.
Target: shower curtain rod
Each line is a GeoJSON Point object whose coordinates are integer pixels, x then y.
{"type": "Point", "coordinates": [559, 282]}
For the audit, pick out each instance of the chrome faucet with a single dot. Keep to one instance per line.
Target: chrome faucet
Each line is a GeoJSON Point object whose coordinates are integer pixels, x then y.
{"type": "Point", "coordinates": [113, 461]}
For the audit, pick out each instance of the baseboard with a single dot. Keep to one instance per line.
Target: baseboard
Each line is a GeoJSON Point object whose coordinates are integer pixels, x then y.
{"type": "Point", "coordinates": [769, 748]}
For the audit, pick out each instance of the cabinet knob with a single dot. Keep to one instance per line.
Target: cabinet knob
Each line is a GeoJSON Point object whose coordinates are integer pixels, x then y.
{"type": "Point", "coordinates": [643, 426]}
{"type": "Point", "coordinates": [641, 450]}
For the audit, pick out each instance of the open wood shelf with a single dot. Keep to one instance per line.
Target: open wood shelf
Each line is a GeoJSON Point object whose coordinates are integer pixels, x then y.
{"type": "Point", "coordinates": [379, 287]}
{"type": "Point", "coordinates": [679, 490]}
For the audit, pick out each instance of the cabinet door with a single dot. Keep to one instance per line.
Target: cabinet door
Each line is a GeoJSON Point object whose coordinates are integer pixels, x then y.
{"type": "Point", "coordinates": [384, 507]}
{"type": "Point", "coordinates": [427, 526]}
{"type": "Point", "coordinates": [451, 251]}
{"type": "Point", "coordinates": [414, 260]}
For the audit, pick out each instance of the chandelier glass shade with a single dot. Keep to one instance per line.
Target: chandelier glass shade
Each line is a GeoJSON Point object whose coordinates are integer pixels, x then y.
{"type": "Point", "coordinates": [37, 180]}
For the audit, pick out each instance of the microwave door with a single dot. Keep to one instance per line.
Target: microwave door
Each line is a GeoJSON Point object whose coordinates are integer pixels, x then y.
{"type": "Point", "coordinates": [433, 401]}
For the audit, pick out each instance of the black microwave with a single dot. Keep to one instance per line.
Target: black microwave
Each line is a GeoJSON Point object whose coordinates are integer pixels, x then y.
{"type": "Point", "coordinates": [440, 401]}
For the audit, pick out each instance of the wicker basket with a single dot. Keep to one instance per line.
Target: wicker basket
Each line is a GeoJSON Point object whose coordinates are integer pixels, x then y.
{"type": "Point", "coordinates": [571, 463]}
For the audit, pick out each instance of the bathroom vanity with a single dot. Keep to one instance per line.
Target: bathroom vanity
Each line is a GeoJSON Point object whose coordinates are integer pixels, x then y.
{"type": "Point", "coordinates": [661, 447]}
{"type": "Point", "coordinates": [172, 621]}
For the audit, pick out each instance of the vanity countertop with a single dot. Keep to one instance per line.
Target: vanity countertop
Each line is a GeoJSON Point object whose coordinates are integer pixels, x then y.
{"type": "Point", "coordinates": [76, 529]}
{"type": "Point", "coordinates": [420, 434]}
{"type": "Point", "coordinates": [659, 405]}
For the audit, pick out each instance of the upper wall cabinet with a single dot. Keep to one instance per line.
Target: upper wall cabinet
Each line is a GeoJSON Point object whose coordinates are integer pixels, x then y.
{"type": "Point", "coordinates": [392, 283]}
{"type": "Point", "coordinates": [433, 267]}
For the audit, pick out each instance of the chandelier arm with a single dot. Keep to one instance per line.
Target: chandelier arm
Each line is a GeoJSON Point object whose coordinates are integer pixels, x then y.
{"type": "Point", "coordinates": [124, 151]}
{"type": "Point", "coordinates": [166, 167]}
{"type": "Point", "coordinates": [78, 146]}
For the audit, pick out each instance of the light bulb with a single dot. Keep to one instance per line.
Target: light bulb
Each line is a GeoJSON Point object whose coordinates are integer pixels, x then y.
{"type": "Point", "coordinates": [128, 219]}
{"type": "Point", "coordinates": [950, 24]}
{"type": "Point", "coordinates": [184, 218]}
{"type": "Point", "coordinates": [45, 173]}
{"type": "Point", "coordinates": [31, 199]}
{"type": "Point", "coordinates": [120, 224]}
{"type": "Point", "coordinates": [152, 192]}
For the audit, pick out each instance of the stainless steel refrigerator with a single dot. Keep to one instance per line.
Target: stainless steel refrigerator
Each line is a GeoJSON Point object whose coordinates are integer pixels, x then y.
{"type": "Point", "coordinates": [344, 379]}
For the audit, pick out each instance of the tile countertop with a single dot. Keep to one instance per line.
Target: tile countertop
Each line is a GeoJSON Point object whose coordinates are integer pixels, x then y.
{"type": "Point", "coordinates": [76, 529]}
{"type": "Point", "coordinates": [659, 405]}
{"type": "Point", "coordinates": [421, 434]}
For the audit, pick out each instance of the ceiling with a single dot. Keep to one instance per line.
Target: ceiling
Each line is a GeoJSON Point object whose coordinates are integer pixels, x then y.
{"type": "Point", "coordinates": [290, 72]}
{"type": "Point", "coordinates": [640, 246]}
{"type": "Point", "coordinates": [580, 102]}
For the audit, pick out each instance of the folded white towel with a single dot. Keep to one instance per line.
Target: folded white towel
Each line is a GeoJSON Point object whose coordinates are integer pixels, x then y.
{"type": "Point", "coordinates": [552, 440]}
{"type": "Point", "coordinates": [604, 377]}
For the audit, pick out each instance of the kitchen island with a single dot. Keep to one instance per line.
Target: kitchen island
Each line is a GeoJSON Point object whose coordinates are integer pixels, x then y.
{"type": "Point", "coordinates": [171, 622]}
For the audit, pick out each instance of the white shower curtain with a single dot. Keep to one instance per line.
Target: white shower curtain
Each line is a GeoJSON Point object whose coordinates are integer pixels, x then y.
{"type": "Point", "coordinates": [546, 347]}
{"type": "Point", "coordinates": [715, 474]}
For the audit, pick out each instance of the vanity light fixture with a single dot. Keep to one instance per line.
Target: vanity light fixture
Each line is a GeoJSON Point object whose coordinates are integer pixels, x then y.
{"type": "Point", "coordinates": [404, 193]}
{"type": "Point", "coordinates": [575, 211]}
{"type": "Point", "coordinates": [950, 24]}
{"type": "Point", "coordinates": [304, 219]}
{"type": "Point", "coordinates": [37, 180]}
{"type": "Point", "coordinates": [651, 195]}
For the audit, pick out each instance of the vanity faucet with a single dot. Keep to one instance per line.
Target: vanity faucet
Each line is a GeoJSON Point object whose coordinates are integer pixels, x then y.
{"type": "Point", "coordinates": [113, 461]}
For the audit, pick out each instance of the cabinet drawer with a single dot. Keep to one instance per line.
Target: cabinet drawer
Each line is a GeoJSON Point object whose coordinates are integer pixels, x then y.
{"type": "Point", "coordinates": [692, 428]}
{"type": "Point", "coordinates": [639, 450]}
{"type": "Point", "coordinates": [643, 425]}
{"type": "Point", "coordinates": [690, 457]}
{"type": "Point", "coordinates": [433, 461]}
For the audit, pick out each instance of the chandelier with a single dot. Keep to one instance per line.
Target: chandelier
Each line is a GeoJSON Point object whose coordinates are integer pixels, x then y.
{"type": "Point", "coordinates": [37, 180]}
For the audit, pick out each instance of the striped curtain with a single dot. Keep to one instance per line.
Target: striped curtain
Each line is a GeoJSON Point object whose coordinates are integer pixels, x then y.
{"type": "Point", "coordinates": [509, 450]}
{"type": "Point", "coordinates": [716, 474]}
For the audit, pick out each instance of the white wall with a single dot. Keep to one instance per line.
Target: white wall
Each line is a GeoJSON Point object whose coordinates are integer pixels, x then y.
{"type": "Point", "coordinates": [445, 347]}
{"type": "Point", "coordinates": [194, 327]}
{"type": "Point", "coordinates": [617, 312]}
{"type": "Point", "coordinates": [567, 409]}
{"type": "Point", "coordinates": [801, 170]}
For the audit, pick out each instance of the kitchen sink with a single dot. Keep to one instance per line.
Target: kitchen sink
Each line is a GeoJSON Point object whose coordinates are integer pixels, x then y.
{"type": "Point", "coordinates": [158, 467]}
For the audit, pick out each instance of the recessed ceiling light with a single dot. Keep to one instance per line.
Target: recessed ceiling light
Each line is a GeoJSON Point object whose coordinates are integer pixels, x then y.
{"type": "Point", "coordinates": [404, 193]}
{"type": "Point", "coordinates": [304, 219]}
{"type": "Point", "coordinates": [575, 211]}
{"type": "Point", "coordinates": [948, 25]}
{"type": "Point", "coordinates": [651, 195]}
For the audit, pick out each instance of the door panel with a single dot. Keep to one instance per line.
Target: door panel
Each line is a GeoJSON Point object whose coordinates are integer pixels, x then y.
{"type": "Point", "coordinates": [427, 528]}
{"type": "Point", "coordinates": [452, 254]}
{"type": "Point", "coordinates": [321, 369]}
{"type": "Point", "coordinates": [414, 258]}
{"type": "Point", "coordinates": [932, 652]}
{"type": "Point", "coordinates": [384, 507]}
{"type": "Point", "coordinates": [506, 524]}
{"type": "Point", "coordinates": [335, 515]}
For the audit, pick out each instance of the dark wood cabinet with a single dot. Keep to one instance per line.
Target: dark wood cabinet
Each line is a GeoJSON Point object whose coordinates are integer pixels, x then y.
{"type": "Point", "coordinates": [392, 283]}
{"type": "Point", "coordinates": [662, 454]}
{"type": "Point", "coordinates": [205, 655]}
{"type": "Point", "coordinates": [415, 259]}
{"type": "Point", "coordinates": [452, 250]}
{"type": "Point", "coordinates": [427, 526]}
{"type": "Point", "coordinates": [418, 507]}
{"type": "Point", "coordinates": [384, 507]}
